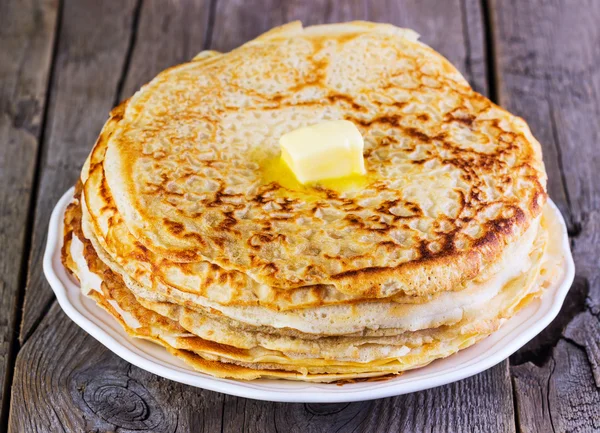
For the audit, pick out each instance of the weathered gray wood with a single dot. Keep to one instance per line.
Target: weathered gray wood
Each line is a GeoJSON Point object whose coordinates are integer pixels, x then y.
{"type": "Point", "coordinates": [560, 396]}
{"type": "Point", "coordinates": [475, 62]}
{"type": "Point", "coordinates": [69, 382]}
{"type": "Point", "coordinates": [81, 386]}
{"type": "Point", "coordinates": [547, 57]}
{"type": "Point", "coordinates": [531, 396]}
{"type": "Point", "coordinates": [26, 41]}
{"type": "Point", "coordinates": [168, 33]}
{"type": "Point", "coordinates": [547, 69]}
{"type": "Point", "coordinates": [476, 404]}
{"type": "Point", "coordinates": [91, 52]}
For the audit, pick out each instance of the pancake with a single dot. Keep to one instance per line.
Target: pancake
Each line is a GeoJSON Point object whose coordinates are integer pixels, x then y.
{"type": "Point", "coordinates": [188, 230]}
{"type": "Point", "coordinates": [453, 179]}
{"type": "Point", "coordinates": [413, 349]}
{"type": "Point", "coordinates": [203, 279]}
{"type": "Point", "coordinates": [333, 319]}
{"type": "Point", "coordinates": [340, 319]}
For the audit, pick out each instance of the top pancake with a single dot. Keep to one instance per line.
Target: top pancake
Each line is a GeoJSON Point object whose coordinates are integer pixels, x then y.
{"type": "Point", "coordinates": [452, 178]}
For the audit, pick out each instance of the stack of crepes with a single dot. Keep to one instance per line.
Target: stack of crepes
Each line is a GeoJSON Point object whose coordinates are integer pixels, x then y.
{"type": "Point", "coordinates": [188, 230]}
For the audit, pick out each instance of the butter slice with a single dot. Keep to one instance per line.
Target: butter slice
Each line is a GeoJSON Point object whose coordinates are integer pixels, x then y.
{"type": "Point", "coordinates": [327, 150]}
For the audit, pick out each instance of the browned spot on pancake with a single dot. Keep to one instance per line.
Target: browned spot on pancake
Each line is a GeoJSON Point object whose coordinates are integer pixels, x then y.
{"type": "Point", "coordinates": [335, 97]}
{"type": "Point", "coordinates": [460, 115]}
{"type": "Point", "coordinates": [388, 245]}
{"type": "Point", "coordinates": [415, 133]}
{"type": "Point", "coordinates": [257, 240]}
{"type": "Point", "coordinates": [197, 237]}
{"type": "Point", "coordinates": [117, 112]}
{"type": "Point", "coordinates": [173, 226]}
{"type": "Point", "coordinates": [347, 37]}
{"type": "Point", "coordinates": [413, 207]}
{"type": "Point", "coordinates": [389, 120]}
{"type": "Point", "coordinates": [354, 220]}
{"type": "Point", "coordinates": [140, 252]}
{"type": "Point", "coordinates": [227, 222]}
{"type": "Point", "coordinates": [223, 278]}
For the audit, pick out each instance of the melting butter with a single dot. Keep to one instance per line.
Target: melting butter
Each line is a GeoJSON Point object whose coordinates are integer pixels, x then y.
{"type": "Point", "coordinates": [275, 170]}
{"type": "Point", "coordinates": [329, 153]}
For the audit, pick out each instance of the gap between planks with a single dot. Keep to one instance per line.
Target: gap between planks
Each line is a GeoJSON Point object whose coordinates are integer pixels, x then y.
{"type": "Point", "coordinates": [23, 271]}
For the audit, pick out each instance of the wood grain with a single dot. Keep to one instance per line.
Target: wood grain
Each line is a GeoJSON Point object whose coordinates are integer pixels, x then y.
{"type": "Point", "coordinates": [168, 33]}
{"type": "Point", "coordinates": [26, 42]}
{"type": "Point", "coordinates": [476, 404]}
{"type": "Point", "coordinates": [548, 54]}
{"type": "Point", "coordinates": [91, 53]}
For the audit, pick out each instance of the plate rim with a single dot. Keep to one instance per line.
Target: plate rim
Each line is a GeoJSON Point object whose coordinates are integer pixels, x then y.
{"type": "Point", "coordinates": [312, 393]}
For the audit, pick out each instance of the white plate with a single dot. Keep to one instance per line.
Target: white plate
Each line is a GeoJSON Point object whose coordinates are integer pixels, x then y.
{"type": "Point", "coordinates": [509, 338]}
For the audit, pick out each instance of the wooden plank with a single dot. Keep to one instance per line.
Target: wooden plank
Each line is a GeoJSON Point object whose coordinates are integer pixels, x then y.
{"type": "Point", "coordinates": [168, 34]}
{"type": "Point", "coordinates": [26, 41]}
{"type": "Point", "coordinates": [477, 404]}
{"type": "Point", "coordinates": [91, 53]}
{"type": "Point", "coordinates": [547, 72]}
{"type": "Point", "coordinates": [81, 386]}
{"type": "Point", "coordinates": [559, 396]}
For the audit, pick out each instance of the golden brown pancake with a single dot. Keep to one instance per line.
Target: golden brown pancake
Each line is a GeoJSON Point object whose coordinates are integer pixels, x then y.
{"type": "Point", "coordinates": [155, 323]}
{"type": "Point", "coordinates": [310, 309]}
{"type": "Point", "coordinates": [187, 228]}
{"type": "Point", "coordinates": [452, 178]}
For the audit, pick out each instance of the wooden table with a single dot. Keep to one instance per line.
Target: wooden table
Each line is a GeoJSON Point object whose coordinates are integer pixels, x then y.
{"type": "Point", "coordinates": [64, 64]}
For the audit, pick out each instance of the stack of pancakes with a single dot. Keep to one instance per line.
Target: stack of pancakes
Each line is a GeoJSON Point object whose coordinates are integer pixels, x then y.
{"type": "Point", "coordinates": [188, 230]}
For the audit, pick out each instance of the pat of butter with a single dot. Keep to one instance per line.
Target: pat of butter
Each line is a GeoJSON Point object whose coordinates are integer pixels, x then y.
{"type": "Point", "coordinates": [327, 150]}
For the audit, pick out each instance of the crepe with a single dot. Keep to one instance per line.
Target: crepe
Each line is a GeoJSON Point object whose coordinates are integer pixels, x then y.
{"type": "Point", "coordinates": [453, 179]}
{"type": "Point", "coordinates": [290, 358]}
{"type": "Point", "coordinates": [187, 229]}
{"type": "Point", "coordinates": [147, 278]}
{"type": "Point", "coordinates": [105, 225]}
